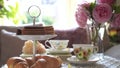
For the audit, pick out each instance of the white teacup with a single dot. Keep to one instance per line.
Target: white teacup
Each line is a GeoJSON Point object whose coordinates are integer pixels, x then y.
{"type": "Point", "coordinates": [57, 44]}
{"type": "Point", "coordinates": [84, 51]}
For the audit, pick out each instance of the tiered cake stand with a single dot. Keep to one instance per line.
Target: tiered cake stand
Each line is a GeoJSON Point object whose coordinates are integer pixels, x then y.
{"type": "Point", "coordinates": [34, 11]}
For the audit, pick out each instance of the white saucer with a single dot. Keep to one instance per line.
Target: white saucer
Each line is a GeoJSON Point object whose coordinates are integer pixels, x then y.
{"type": "Point", "coordinates": [75, 61]}
{"type": "Point", "coordinates": [63, 51]}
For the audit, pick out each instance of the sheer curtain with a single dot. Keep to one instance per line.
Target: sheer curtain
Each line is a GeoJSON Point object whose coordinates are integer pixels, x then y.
{"type": "Point", "coordinates": [66, 13]}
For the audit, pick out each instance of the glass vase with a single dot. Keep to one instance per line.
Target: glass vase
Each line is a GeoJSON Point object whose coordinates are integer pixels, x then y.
{"type": "Point", "coordinates": [96, 34]}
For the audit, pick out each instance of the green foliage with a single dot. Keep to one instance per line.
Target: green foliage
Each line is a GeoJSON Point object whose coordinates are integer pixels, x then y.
{"type": "Point", "coordinates": [30, 19]}
{"type": "Point", "coordinates": [92, 5]}
{"type": "Point", "coordinates": [48, 20]}
{"type": "Point", "coordinates": [2, 9]}
{"type": "Point", "coordinates": [117, 9]}
{"type": "Point", "coordinates": [12, 13]}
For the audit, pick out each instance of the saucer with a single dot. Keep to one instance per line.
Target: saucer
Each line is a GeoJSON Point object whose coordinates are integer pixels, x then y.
{"type": "Point", "coordinates": [63, 51]}
{"type": "Point", "coordinates": [73, 60]}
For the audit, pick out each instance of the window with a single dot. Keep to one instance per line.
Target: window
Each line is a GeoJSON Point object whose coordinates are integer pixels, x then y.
{"type": "Point", "coordinates": [59, 13]}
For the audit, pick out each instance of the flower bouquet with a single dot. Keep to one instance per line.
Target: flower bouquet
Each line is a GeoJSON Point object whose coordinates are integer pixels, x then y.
{"type": "Point", "coordinates": [100, 13]}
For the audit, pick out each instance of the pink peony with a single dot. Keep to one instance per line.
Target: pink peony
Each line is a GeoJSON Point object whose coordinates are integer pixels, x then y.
{"type": "Point", "coordinates": [102, 13]}
{"type": "Point", "coordinates": [110, 2]}
{"type": "Point", "coordinates": [116, 20]}
{"type": "Point", "coordinates": [81, 17]}
{"type": "Point", "coordinates": [85, 5]}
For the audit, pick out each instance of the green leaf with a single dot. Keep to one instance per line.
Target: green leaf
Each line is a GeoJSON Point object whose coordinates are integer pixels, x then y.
{"type": "Point", "coordinates": [92, 6]}
{"type": "Point", "coordinates": [117, 9]}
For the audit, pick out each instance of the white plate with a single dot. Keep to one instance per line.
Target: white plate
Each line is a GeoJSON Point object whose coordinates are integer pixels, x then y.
{"type": "Point", "coordinates": [29, 55]}
{"type": "Point", "coordinates": [26, 55]}
{"type": "Point", "coordinates": [75, 61]}
{"type": "Point", "coordinates": [36, 37]}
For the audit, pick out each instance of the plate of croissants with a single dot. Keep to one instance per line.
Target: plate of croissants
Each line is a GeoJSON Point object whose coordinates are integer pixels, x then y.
{"type": "Point", "coordinates": [46, 61]}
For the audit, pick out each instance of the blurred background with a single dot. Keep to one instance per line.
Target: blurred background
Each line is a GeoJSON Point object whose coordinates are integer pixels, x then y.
{"type": "Point", "coordinates": [58, 13]}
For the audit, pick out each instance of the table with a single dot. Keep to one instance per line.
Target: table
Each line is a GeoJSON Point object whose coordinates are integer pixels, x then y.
{"type": "Point", "coordinates": [105, 62]}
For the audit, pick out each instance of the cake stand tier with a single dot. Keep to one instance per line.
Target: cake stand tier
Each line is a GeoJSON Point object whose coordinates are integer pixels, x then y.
{"type": "Point", "coordinates": [36, 37]}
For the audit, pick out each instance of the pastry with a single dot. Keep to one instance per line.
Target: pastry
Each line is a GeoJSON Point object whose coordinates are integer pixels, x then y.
{"type": "Point", "coordinates": [46, 61]}
{"type": "Point", "coordinates": [52, 61]}
{"type": "Point", "coordinates": [30, 61]}
{"type": "Point", "coordinates": [35, 30]}
{"type": "Point", "coordinates": [21, 65]}
{"type": "Point", "coordinates": [28, 47]}
{"type": "Point", "coordinates": [13, 62]}
{"type": "Point", "coordinates": [40, 63]}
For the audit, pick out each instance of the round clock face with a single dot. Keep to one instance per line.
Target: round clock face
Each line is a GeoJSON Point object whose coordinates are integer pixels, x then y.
{"type": "Point", "coordinates": [34, 11]}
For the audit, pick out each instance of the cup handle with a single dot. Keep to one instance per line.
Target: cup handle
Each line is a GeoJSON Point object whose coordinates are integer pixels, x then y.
{"type": "Point", "coordinates": [47, 41]}
{"type": "Point", "coordinates": [96, 49]}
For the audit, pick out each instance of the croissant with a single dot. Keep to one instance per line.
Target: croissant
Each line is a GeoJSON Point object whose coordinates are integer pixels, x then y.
{"type": "Point", "coordinates": [52, 61]}
{"type": "Point", "coordinates": [46, 61]}
{"type": "Point", "coordinates": [17, 62]}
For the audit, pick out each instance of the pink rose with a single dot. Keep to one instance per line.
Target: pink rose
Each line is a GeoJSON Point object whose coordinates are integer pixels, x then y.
{"type": "Point", "coordinates": [102, 13]}
{"type": "Point", "coordinates": [116, 20]}
{"type": "Point", "coordinates": [110, 2]}
{"type": "Point", "coordinates": [81, 17]}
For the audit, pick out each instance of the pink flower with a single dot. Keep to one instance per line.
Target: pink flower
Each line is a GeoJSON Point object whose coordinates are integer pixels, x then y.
{"type": "Point", "coordinates": [85, 5]}
{"type": "Point", "coordinates": [116, 20]}
{"type": "Point", "coordinates": [81, 17]}
{"type": "Point", "coordinates": [110, 2]}
{"type": "Point", "coordinates": [102, 13]}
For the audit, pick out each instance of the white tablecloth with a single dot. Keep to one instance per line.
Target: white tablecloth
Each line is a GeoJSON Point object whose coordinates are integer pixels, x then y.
{"type": "Point", "coordinates": [105, 62]}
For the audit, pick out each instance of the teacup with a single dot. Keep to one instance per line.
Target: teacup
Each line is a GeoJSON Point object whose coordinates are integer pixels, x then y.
{"type": "Point", "coordinates": [84, 51]}
{"type": "Point", "coordinates": [57, 44]}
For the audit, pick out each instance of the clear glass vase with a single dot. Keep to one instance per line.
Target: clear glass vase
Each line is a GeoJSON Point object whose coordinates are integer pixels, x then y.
{"type": "Point", "coordinates": [96, 34]}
